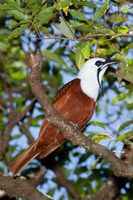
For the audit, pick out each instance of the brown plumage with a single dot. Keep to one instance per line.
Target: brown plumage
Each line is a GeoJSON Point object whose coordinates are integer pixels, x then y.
{"type": "Point", "coordinates": [75, 106]}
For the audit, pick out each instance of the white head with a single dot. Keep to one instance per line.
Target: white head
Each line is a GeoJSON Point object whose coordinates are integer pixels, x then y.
{"type": "Point", "coordinates": [91, 75]}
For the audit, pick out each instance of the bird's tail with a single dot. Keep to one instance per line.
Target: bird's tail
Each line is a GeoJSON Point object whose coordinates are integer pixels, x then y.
{"type": "Point", "coordinates": [24, 158]}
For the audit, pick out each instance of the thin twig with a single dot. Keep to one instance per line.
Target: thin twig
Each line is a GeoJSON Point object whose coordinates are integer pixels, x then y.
{"type": "Point", "coordinates": [12, 122]}
{"type": "Point", "coordinates": [63, 180]}
{"type": "Point", "coordinates": [121, 75]}
{"type": "Point", "coordinates": [85, 38]}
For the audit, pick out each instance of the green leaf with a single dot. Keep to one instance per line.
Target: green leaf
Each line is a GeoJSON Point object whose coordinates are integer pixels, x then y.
{"type": "Point", "coordinates": [125, 136]}
{"type": "Point", "coordinates": [35, 121]}
{"type": "Point", "coordinates": [102, 51]}
{"type": "Point", "coordinates": [125, 124]}
{"type": "Point", "coordinates": [130, 46]}
{"type": "Point", "coordinates": [45, 30]}
{"type": "Point", "coordinates": [16, 32]}
{"type": "Point", "coordinates": [13, 8]}
{"type": "Point", "coordinates": [82, 53]}
{"type": "Point", "coordinates": [99, 137]}
{"type": "Point", "coordinates": [81, 170]}
{"type": "Point", "coordinates": [45, 15]}
{"type": "Point", "coordinates": [86, 50]}
{"type": "Point", "coordinates": [125, 9]}
{"type": "Point", "coordinates": [89, 4]}
{"type": "Point", "coordinates": [95, 163]}
{"type": "Point", "coordinates": [18, 65]}
{"type": "Point", "coordinates": [16, 136]}
{"type": "Point", "coordinates": [18, 75]}
{"type": "Point", "coordinates": [12, 23]}
{"type": "Point", "coordinates": [80, 26]}
{"type": "Point", "coordinates": [79, 59]}
{"type": "Point", "coordinates": [31, 2]}
{"type": "Point", "coordinates": [36, 9]}
{"type": "Point", "coordinates": [65, 3]}
{"type": "Point", "coordinates": [100, 11]}
{"type": "Point", "coordinates": [62, 4]}
{"type": "Point", "coordinates": [77, 14]}
{"type": "Point", "coordinates": [3, 45]}
{"type": "Point", "coordinates": [122, 29]}
{"type": "Point", "coordinates": [119, 18]}
{"type": "Point", "coordinates": [83, 28]}
{"type": "Point", "coordinates": [130, 106]}
{"type": "Point", "coordinates": [13, 5]}
{"type": "Point", "coordinates": [98, 124]}
{"type": "Point", "coordinates": [120, 97]}
{"type": "Point", "coordinates": [65, 29]}
{"type": "Point", "coordinates": [52, 56]}
{"type": "Point", "coordinates": [17, 14]}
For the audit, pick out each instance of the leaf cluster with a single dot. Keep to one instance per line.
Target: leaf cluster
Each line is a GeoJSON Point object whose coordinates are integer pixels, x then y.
{"type": "Point", "coordinates": [68, 32]}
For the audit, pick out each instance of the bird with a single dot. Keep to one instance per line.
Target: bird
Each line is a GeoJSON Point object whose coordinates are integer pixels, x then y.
{"type": "Point", "coordinates": [76, 102]}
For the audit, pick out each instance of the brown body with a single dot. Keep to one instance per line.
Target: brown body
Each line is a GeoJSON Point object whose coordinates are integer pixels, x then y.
{"type": "Point", "coordinates": [75, 106]}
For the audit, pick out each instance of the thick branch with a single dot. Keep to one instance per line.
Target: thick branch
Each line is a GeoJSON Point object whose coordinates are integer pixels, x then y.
{"type": "Point", "coordinates": [69, 130]}
{"type": "Point", "coordinates": [20, 188]}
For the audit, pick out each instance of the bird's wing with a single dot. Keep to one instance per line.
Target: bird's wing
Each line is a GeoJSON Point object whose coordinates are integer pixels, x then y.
{"type": "Point", "coordinates": [60, 101]}
{"type": "Point", "coordinates": [64, 90]}
{"type": "Point", "coordinates": [72, 104]}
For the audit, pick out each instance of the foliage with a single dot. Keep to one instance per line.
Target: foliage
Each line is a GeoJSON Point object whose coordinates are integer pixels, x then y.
{"type": "Point", "coordinates": [67, 32]}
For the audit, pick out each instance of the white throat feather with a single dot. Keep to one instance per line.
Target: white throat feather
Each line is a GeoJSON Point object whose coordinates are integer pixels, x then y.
{"type": "Point", "coordinates": [88, 76]}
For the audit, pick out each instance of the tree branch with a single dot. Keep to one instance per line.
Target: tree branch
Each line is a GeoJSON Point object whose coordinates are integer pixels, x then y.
{"type": "Point", "coordinates": [38, 177]}
{"type": "Point", "coordinates": [68, 129]}
{"type": "Point", "coordinates": [87, 37]}
{"type": "Point", "coordinates": [108, 191]}
{"type": "Point", "coordinates": [14, 119]}
{"type": "Point", "coordinates": [20, 188]}
{"type": "Point", "coordinates": [25, 129]}
{"type": "Point", "coordinates": [121, 75]}
{"type": "Point", "coordinates": [111, 188]}
{"type": "Point", "coordinates": [63, 180]}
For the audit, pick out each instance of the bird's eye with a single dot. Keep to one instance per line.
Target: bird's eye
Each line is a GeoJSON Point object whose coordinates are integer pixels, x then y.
{"type": "Point", "coordinates": [98, 63]}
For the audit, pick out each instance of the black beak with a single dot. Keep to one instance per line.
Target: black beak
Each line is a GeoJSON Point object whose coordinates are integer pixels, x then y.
{"type": "Point", "coordinates": [107, 63]}
{"type": "Point", "coordinates": [110, 56]}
